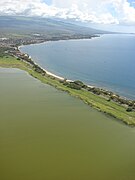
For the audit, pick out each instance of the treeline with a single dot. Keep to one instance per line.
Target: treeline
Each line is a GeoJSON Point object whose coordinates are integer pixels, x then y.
{"type": "Point", "coordinates": [78, 85]}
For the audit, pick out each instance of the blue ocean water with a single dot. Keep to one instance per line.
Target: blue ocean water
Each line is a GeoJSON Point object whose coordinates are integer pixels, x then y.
{"type": "Point", "coordinates": [107, 61]}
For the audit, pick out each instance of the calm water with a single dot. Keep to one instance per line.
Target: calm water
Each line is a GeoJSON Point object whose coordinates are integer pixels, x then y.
{"type": "Point", "coordinates": [47, 135]}
{"type": "Point", "coordinates": [108, 61]}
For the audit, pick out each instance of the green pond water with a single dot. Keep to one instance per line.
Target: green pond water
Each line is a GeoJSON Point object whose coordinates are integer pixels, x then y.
{"type": "Point", "coordinates": [45, 134]}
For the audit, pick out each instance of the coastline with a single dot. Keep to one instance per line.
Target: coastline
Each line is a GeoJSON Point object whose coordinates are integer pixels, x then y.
{"type": "Point", "coordinates": [103, 100]}
{"type": "Point", "coordinates": [47, 72]}
{"type": "Point", "coordinates": [71, 80]}
{"type": "Point", "coordinates": [48, 41]}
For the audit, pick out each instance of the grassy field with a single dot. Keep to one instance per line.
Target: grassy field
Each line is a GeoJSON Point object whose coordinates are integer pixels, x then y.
{"type": "Point", "coordinates": [100, 103]}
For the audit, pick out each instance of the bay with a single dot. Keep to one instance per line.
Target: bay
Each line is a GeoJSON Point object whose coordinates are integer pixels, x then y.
{"type": "Point", "coordinates": [107, 62]}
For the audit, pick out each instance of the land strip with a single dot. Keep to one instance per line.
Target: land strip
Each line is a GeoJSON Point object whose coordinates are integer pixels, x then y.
{"type": "Point", "coordinates": [109, 104]}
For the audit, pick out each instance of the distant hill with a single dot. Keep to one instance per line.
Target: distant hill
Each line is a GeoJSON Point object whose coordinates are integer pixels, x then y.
{"type": "Point", "coordinates": [28, 25]}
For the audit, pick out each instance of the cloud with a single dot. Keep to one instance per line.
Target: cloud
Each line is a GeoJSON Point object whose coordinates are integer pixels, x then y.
{"type": "Point", "coordinates": [96, 11]}
{"type": "Point", "coordinates": [25, 7]}
{"type": "Point", "coordinates": [102, 11]}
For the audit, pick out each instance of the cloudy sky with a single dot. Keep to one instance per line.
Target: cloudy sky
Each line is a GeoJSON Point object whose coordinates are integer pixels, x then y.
{"type": "Point", "coordinates": [95, 11]}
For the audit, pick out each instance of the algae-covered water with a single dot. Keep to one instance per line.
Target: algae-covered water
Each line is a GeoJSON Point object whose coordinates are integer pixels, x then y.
{"type": "Point", "coordinates": [45, 134]}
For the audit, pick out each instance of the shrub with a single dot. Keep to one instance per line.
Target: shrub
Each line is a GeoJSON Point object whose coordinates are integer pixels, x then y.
{"type": "Point", "coordinates": [74, 86]}
{"type": "Point", "coordinates": [129, 109]}
{"type": "Point", "coordinates": [80, 83]}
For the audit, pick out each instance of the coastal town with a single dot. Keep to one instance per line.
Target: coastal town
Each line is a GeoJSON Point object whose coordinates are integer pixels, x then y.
{"type": "Point", "coordinates": [10, 42]}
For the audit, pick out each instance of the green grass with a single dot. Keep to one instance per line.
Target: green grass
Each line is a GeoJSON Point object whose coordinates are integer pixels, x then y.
{"type": "Point", "coordinates": [100, 103]}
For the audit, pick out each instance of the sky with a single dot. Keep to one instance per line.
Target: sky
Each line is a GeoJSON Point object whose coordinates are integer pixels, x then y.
{"type": "Point", "coordinates": [119, 12]}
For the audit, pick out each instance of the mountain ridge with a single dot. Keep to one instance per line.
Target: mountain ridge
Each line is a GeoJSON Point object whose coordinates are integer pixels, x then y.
{"type": "Point", "coordinates": [49, 26]}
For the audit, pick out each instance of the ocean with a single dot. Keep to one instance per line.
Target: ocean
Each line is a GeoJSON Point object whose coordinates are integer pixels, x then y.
{"type": "Point", "coordinates": [107, 61]}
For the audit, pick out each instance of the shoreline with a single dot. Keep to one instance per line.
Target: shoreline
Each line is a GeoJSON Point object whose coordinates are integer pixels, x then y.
{"type": "Point", "coordinates": [48, 41]}
{"type": "Point", "coordinates": [47, 72]}
{"type": "Point", "coordinates": [71, 80]}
